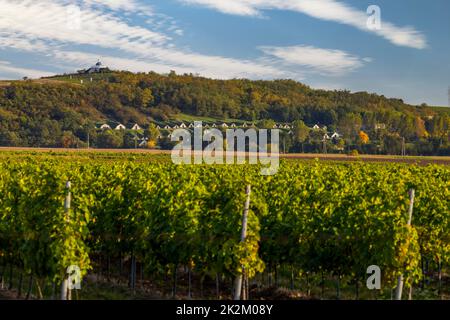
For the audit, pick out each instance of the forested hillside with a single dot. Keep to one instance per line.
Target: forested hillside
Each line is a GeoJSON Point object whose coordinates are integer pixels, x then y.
{"type": "Point", "coordinates": [61, 111]}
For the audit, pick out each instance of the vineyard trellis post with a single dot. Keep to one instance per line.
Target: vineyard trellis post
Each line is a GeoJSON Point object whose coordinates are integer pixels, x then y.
{"type": "Point", "coordinates": [400, 280]}
{"type": "Point", "coordinates": [65, 290]}
{"type": "Point", "coordinates": [2, 271]}
{"type": "Point", "coordinates": [30, 287]}
{"type": "Point", "coordinates": [238, 280]}
{"type": "Point", "coordinates": [440, 279]}
{"type": "Point", "coordinates": [133, 273]}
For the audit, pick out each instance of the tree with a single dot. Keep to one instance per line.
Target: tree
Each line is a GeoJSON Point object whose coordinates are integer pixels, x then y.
{"type": "Point", "coordinates": [266, 124]}
{"type": "Point", "coordinates": [392, 144]}
{"type": "Point", "coordinates": [10, 139]}
{"type": "Point", "coordinates": [363, 137]}
{"type": "Point", "coordinates": [350, 125]}
{"type": "Point", "coordinates": [341, 145]}
{"type": "Point", "coordinates": [110, 139]}
{"type": "Point", "coordinates": [421, 131]}
{"type": "Point", "coordinates": [152, 133]}
{"type": "Point", "coordinates": [144, 98]}
{"type": "Point", "coordinates": [68, 140]}
{"type": "Point", "coordinates": [151, 144]}
{"type": "Point", "coordinates": [130, 139]}
{"type": "Point", "coordinates": [440, 127]}
{"type": "Point", "coordinates": [301, 132]}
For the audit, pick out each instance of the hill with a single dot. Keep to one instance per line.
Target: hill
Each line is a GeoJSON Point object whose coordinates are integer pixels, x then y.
{"type": "Point", "coordinates": [61, 110]}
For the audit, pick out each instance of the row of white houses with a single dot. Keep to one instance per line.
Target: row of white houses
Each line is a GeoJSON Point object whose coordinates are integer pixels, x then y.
{"type": "Point", "coordinates": [120, 126]}
{"type": "Point", "coordinates": [136, 127]}
{"type": "Point", "coordinates": [232, 125]}
{"type": "Point", "coordinates": [326, 136]}
{"type": "Point", "coordinates": [222, 125]}
{"type": "Point", "coordinates": [143, 141]}
{"type": "Point", "coordinates": [332, 136]}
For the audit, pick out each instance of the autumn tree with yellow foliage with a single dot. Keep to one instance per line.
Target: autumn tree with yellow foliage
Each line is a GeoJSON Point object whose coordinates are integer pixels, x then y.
{"type": "Point", "coordinates": [364, 137]}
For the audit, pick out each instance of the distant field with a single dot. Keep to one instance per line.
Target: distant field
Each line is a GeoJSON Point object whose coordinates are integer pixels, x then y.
{"type": "Point", "coordinates": [118, 153]}
{"type": "Point", "coordinates": [5, 83]}
{"type": "Point", "coordinates": [441, 109]}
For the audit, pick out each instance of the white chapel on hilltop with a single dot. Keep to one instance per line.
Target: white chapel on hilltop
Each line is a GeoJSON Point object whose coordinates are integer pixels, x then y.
{"type": "Point", "coordinates": [96, 68]}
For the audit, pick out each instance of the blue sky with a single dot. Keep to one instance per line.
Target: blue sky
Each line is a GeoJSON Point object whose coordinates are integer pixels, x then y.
{"type": "Point", "coordinates": [323, 43]}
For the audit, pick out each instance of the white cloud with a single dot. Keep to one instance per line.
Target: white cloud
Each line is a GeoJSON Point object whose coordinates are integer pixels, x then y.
{"type": "Point", "coordinates": [7, 68]}
{"type": "Point", "coordinates": [208, 66]}
{"type": "Point", "coordinates": [324, 61]}
{"type": "Point", "coordinates": [124, 5]}
{"type": "Point", "coordinates": [328, 86]}
{"type": "Point", "coordinates": [164, 23]}
{"type": "Point", "coordinates": [238, 7]}
{"type": "Point", "coordinates": [50, 20]}
{"type": "Point", "coordinates": [43, 27]}
{"type": "Point", "coordinates": [179, 32]}
{"type": "Point", "coordinates": [14, 41]}
{"type": "Point", "coordinates": [330, 10]}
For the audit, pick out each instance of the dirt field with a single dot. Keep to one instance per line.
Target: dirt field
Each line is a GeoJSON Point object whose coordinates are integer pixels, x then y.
{"type": "Point", "coordinates": [6, 149]}
{"type": "Point", "coordinates": [371, 158]}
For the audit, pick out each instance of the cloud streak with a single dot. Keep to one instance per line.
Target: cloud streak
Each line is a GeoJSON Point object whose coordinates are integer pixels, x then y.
{"type": "Point", "coordinates": [126, 5]}
{"type": "Point", "coordinates": [52, 20]}
{"type": "Point", "coordinates": [7, 68]}
{"type": "Point", "coordinates": [323, 61]}
{"type": "Point", "coordinates": [329, 10]}
{"type": "Point", "coordinates": [46, 27]}
{"type": "Point", "coordinates": [214, 67]}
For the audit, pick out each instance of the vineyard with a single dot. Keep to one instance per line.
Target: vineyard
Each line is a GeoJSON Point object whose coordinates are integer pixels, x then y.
{"type": "Point", "coordinates": [182, 224]}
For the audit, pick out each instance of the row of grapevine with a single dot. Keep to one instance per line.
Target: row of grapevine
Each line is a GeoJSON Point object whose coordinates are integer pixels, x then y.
{"type": "Point", "coordinates": [36, 235]}
{"type": "Point", "coordinates": [311, 217]}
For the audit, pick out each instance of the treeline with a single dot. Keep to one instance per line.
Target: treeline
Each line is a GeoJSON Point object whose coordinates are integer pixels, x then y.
{"type": "Point", "coordinates": [50, 113]}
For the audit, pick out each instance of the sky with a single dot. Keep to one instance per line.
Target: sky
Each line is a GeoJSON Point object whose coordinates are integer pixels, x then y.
{"type": "Point", "coordinates": [397, 48]}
